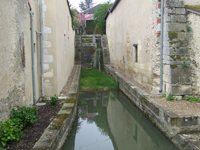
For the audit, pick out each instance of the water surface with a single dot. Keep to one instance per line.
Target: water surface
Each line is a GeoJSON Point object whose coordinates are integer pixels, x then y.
{"type": "Point", "coordinates": [109, 121]}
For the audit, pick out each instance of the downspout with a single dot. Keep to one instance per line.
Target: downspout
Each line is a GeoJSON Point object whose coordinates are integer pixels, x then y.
{"type": "Point", "coordinates": [161, 46]}
{"type": "Point", "coordinates": [41, 47]}
{"type": "Point", "coordinates": [33, 63]}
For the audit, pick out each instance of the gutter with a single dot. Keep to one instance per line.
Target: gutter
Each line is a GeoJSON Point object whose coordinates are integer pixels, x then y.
{"type": "Point", "coordinates": [112, 8]}
{"type": "Point", "coordinates": [41, 47]}
{"type": "Point", "coordinates": [33, 62]}
{"type": "Point", "coordinates": [161, 46]}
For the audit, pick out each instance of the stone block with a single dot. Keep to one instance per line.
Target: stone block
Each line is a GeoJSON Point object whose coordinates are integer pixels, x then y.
{"type": "Point", "coordinates": [186, 89]}
{"type": "Point", "coordinates": [48, 58]}
{"type": "Point", "coordinates": [45, 51]}
{"type": "Point", "coordinates": [46, 43]}
{"type": "Point", "coordinates": [181, 18]}
{"type": "Point", "coordinates": [46, 29]}
{"type": "Point", "coordinates": [49, 74]}
{"type": "Point", "coordinates": [180, 11]}
{"type": "Point", "coordinates": [174, 3]}
{"type": "Point", "coordinates": [176, 27]}
{"type": "Point", "coordinates": [176, 90]}
{"type": "Point", "coordinates": [178, 51]}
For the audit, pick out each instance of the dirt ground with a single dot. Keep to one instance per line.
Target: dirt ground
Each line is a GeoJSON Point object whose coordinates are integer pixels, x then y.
{"type": "Point", "coordinates": [44, 117]}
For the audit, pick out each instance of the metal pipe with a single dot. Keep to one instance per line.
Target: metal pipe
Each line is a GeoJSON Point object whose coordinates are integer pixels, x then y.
{"type": "Point", "coordinates": [33, 62]}
{"type": "Point", "coordinates": [161, 46]}
{"type": "Point", "coordinates": [41, 47]}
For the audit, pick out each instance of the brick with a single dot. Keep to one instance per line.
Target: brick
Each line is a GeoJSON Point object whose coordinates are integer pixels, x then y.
{"type": "Point", "coordinates": [158, 20]}
{"type": "Point", "coordinates": [158, 33]}
{"type": "Point", "coordinates": [159, 5]}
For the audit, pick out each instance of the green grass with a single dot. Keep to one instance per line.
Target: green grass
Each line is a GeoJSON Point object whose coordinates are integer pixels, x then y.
{"type": "Point", "coordinates": [92, 79]}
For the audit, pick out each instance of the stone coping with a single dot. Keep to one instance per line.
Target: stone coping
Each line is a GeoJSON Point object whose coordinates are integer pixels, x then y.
{"type": "Point", "coordinates": [56, 133]}
{"type": "Point", "coordinates": [167, 121]}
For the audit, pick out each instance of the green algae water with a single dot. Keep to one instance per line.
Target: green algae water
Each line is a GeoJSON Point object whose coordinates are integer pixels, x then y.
{"type": "Point", "coordinates": [107, 120]}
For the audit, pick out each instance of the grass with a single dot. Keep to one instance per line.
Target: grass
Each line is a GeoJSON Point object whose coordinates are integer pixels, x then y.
{"type": "Point", "coordinates": [92, 79]}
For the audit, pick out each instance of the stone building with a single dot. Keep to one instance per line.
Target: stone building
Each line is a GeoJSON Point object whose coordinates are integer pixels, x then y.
{"type": "Point", "coordinates": [134, 31]}
{"type": "Point", "coordinates": [31, 29]}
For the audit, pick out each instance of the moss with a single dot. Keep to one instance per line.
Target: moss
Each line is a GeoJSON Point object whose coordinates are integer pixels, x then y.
{"type": "Point", "coordinates": [56, 125]}
{"type": "Point", "coordinates": [173, 66]}
{"type": "Point", "coordinates": [176, 57]}
{"type": "Point", "coordinates": [182, 30]}
{"type": "Point", "coordinates": [66, 108]}
{"type": "Point", "coordinates": [195, 8]}
{"type": "Point", "coordinates": [174, 42]}
{"type": "Point", "coordinates": [71, 101]}
{"type": "Point", "coordinates": [172, 35]}
{"type": "Point", "coordinates": [62, 116]}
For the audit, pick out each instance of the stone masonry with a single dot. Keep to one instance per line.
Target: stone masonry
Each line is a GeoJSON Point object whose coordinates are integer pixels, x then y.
{"type": "Point", "coordinates": [176, 65]}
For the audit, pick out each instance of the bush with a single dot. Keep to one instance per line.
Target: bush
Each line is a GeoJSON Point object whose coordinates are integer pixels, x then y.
{"type": "Point", "coordinates": [10, 130]}
{"type": "Point", "coordinates": [25, 115]}
{"type": "Point", "coordinates": [170, 97]}
{"type": "Point", "coordinates": [54, 100]}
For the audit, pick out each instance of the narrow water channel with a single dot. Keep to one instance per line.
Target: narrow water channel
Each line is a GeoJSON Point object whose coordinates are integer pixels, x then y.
{"type": "Point", "coordinates": [109, 121]}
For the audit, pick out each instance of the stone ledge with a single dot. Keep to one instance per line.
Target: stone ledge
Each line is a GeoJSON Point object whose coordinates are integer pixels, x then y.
{"type": "Point", "coordinates": [167, 121]}
{"type": "Point", "coordinates": [56, 133]}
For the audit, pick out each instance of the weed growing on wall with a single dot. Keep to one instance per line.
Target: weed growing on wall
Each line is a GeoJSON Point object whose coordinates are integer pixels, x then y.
{"type": "Point", "coordinates": [188, 28]}
{"type": "Point", "coordinates": [184, 64]}
{"type": "Point", "coordinates": [163, 95]}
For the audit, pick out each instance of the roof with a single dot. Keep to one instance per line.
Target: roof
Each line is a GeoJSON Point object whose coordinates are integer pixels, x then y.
{"type": "Point", "coordinates": [111, 9]}
{"type": "Point", "coordinates": [91, 10]}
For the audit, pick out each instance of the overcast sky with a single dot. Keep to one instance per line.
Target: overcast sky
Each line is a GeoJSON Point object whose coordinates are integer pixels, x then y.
{"type": "Point", "coordinates": [75, 3]}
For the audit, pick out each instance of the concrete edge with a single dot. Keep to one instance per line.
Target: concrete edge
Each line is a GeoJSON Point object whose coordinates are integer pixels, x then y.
{"type": "Point", "coordinates": [167, 121]}
{"type": "Point", "coordinates": [56, 133]}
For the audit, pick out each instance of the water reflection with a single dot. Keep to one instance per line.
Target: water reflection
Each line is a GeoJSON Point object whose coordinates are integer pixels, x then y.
{"type": "Point", "coordinates": [109, 121]}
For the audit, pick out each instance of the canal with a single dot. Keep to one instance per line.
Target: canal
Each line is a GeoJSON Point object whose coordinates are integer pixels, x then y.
{"type": "Point", "coordinates": [107, 120]}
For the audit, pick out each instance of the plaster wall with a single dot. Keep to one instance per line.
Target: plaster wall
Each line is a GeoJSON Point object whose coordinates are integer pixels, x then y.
{"type": "Point", "coordinates": [194, 49]}
{"type": "Point", "coordinates": [15, 50]}
{"type": "Point", "coordinates": [136, 22]}
{"type": "Point", "coordinates": [58, 45]}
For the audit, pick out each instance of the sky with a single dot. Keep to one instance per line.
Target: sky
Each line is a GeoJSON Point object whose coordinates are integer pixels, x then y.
{"type": "Point", "coordinates": [75, 3]}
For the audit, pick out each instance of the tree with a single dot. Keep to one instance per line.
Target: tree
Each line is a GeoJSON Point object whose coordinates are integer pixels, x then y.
{"type": "Point", "coordinates": [81, 19]}
{"type": "Point", "coordinates": [86, 4]}
{"type": "Point", "coordinates": [75, 17]}
{"type": "Point", "coordinates": [99, 18]}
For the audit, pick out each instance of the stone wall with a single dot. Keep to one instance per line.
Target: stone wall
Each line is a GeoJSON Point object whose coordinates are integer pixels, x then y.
{"type": "Point", "coordinates": [133, 30]}
{"type": "Point", "coordinates": [176, 68]}
{"type": "Point", "coordinates": [194, 49]}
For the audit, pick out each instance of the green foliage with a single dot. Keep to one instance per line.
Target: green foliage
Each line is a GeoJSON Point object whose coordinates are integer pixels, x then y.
{"type": "Point", "coordinates": [43, 98]}
{"type": "Point", "coordinates": [191, 99]}
{"type": "Point", "coordinates": [25, 115]}
{"type": "Point", "coordinates": [170, 97]}
{"type": "Point", "coordinates": [184, 64]}
{"type": "Point", "coordinates": [75, 14]}
{"type": "Point", "coordinates": [90, 26]}
{"type": "Point", "coordinates": [10, 130]}
{"type": "Point", "coordinates": [99, 17]}
{"type": "Point", "coordinates": [54, 99]}
{"type": "Point", "coordinates": [82, 102]}
{"type": "Point", "coordinates": [188, 28]}
{"type": "Point", "coordinates": [92, 79]}
{"type": "Point", "coordinates": [163, 95]}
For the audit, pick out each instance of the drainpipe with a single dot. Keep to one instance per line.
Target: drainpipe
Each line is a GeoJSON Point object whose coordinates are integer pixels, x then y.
{"type": "Point", "coordinates": [32, 49]}
{"type": "Point", "coordinates": [41, 47]}
{"type": "Point", "coordinates": [161, 46]}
